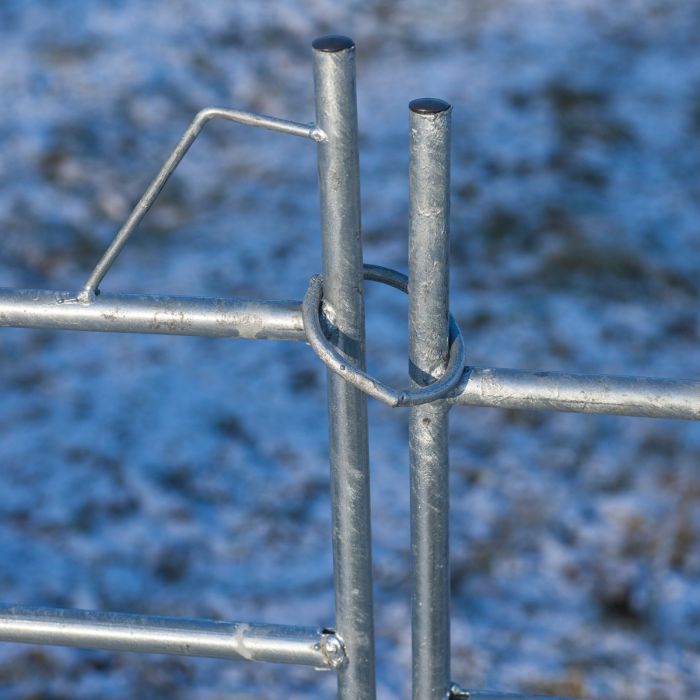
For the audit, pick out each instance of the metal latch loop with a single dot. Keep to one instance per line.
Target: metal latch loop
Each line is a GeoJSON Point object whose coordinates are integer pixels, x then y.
{"type": "Point", "coordinates": [334, 360]}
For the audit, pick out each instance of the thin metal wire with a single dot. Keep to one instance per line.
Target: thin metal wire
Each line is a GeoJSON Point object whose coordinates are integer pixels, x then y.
{"type": "Point", "coordinates": [430, 352]}
{"type": "Point", "coordinates": [310, 131]}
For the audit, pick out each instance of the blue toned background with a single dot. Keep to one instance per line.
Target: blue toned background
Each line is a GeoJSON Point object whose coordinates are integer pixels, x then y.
{"type": "Point", "coordinates": [159, 475]}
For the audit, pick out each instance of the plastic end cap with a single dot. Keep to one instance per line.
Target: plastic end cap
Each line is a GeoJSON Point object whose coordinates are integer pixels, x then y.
{"type": "Point", "coordinates": [333, 43]}
{"type": "Point", "coordinates": [428, 105]}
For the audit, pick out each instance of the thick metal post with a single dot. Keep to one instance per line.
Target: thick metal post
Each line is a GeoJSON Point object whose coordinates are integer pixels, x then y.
{"type": "Point", "coordinates": [428, 309]}
{"type": "Point", "coordinates": [338, 165]}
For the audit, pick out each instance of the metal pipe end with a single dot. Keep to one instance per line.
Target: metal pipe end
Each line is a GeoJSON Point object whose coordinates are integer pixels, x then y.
{"type": "Point", "coordinates": [429, 105]}
{"type": "Point", "coordinates": [333, 648]}
{"type": "Point", "coordinates": [332, 43]}
{"type": "Point", "coordinates": [319, 135]}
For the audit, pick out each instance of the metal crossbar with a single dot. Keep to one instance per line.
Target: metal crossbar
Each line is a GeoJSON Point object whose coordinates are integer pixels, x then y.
{"type": "Point", "coordinates": [331, 319]}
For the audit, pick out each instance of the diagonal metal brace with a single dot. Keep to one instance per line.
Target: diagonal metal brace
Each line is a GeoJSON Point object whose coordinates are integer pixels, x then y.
{"type": "Point", "coordinates": [310, 131]}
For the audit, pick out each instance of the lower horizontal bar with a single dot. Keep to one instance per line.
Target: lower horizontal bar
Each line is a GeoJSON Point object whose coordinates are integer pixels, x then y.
{"type": "Point", "coordinates": [493, 695]}
{"type": "Point", "coordinates": [136, 313]}
{"type": "Point", "coordinates": [165, 635]}
{"type": "Point", "coordinates": [578, 393]}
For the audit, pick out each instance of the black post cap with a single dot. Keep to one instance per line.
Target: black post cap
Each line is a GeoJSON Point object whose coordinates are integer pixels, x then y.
{"type": "Point", "coordinates": [333, 43]}
{"type": "Point", "coordinates": [428, 105]}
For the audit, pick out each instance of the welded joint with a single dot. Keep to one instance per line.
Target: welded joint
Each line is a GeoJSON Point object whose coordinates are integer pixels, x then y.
{"type": "Point", "coordinates": [82, 297]}
{"type": "Point", "coordinates": [87, 295]}
{"type": "Point", "coordinates": [332, 647]}
{"type": "Point", "coordinates": [318, 135]}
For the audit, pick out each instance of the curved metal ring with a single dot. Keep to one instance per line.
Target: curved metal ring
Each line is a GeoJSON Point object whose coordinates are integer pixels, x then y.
{"type": "Point", "coordinates": [332, 358]}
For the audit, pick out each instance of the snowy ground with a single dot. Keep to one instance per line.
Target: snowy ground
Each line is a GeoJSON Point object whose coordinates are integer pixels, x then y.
{"type": "Point", "coordinates": [147, 474]}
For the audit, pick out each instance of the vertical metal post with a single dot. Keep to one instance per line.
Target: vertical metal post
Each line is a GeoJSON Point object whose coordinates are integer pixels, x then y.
{"type": "Point", "coordinates": [428, 310]}
{"type": "Point", "coordinates": [338, 165]}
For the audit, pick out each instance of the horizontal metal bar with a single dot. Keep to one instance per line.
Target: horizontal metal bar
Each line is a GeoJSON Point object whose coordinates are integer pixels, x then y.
{"type": "Point", "coordinates": [168, 315]}
{"type": "Point", "coordinates": [165, 635]}
{"type": "Point", "coordinates": [493, 695]}
{"type": "Point", "coordinates": [578, 393]}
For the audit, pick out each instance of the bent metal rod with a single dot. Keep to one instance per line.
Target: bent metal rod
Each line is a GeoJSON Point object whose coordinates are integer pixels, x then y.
{"type": "Point", "coordinates": [331, 319]}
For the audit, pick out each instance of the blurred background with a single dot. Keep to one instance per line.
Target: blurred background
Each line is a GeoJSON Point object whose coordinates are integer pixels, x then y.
{"type": "Point", "coordinates": [149, 474]}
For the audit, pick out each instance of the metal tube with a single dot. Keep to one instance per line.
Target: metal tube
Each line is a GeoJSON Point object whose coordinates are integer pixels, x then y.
{"type": "Point", "coordinates": [495, 695]}
{"type": "Point", "coordinates": [282, 320]}
{"type": "Point", "coordinates": [577, 393]}
{"type": "Point", "coordinates": [338, 166]}
{"type": "Point", "coordinates": [167, 315]}
{"type": "Point", "coordinates": [327, 353]}
{"type": "Point", "coordinates": [284, 126]}
{"type": "Point", "coordinates": [428, 348]}
{"type": "Point", "coordinates": [166, 635]}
